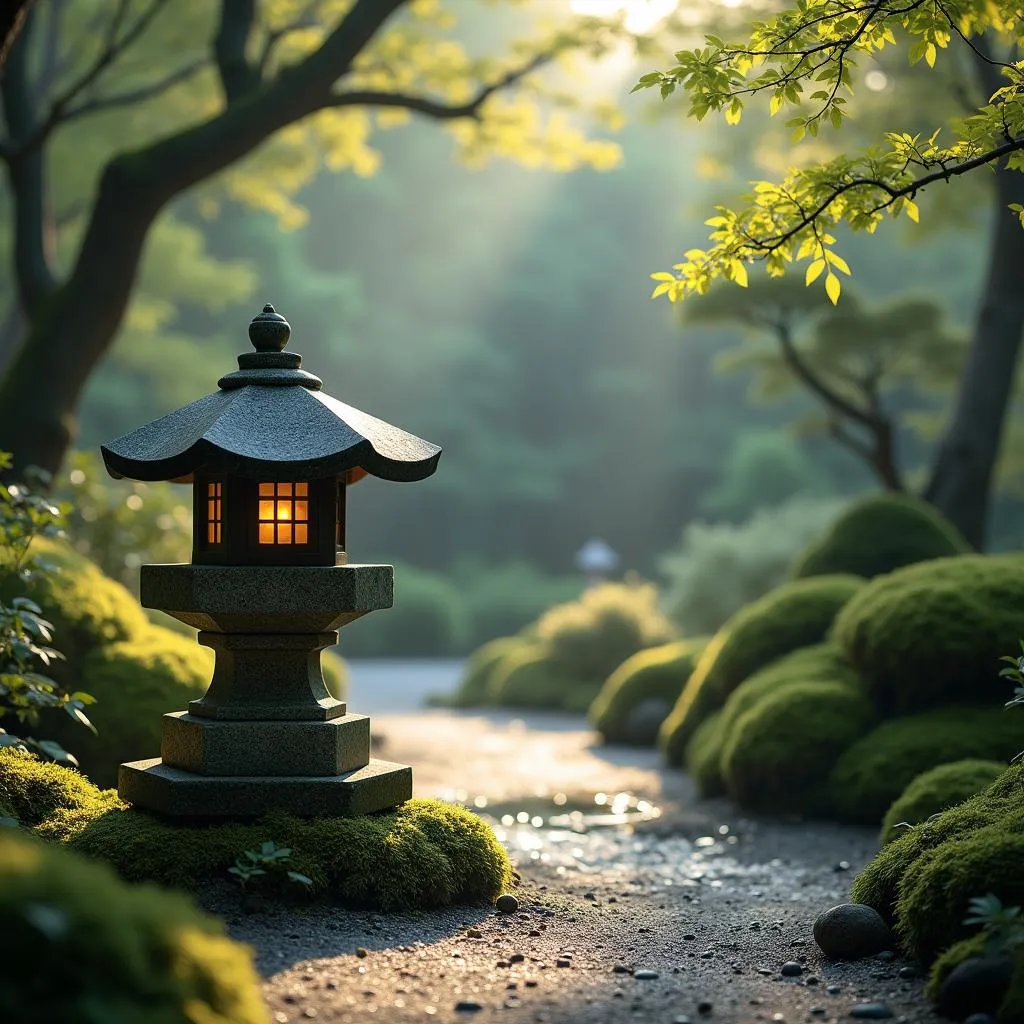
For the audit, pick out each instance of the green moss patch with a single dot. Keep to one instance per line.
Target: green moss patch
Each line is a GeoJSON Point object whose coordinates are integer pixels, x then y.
{"type": "Point", "coordinates": [876, 769]}
{"type": "Point", "coordinates": [878, 534]}
{"type": "Point", "coordinates": [797, 614]}
{"type": "Point", "coordinates": [658, 673]}
{"type": "Point", "coordinates": [527, 677]}
{"type": "Point", "coordinates": [78, 944]}
{"type": "Point", "coordinates": [1011, 1009]}
{"type": "Point", "coordinates": [425, 853]}
{"type": "Point", "coordinates": [703, 756]}
{"type": "Point", "coordinates": [475, 688]}
{"type": "Point", "coordinates": [933, 634]}
{"type": "Point", "coordinates": [937, 790]}
{"type": "Point", "coordinates": [778, 754]}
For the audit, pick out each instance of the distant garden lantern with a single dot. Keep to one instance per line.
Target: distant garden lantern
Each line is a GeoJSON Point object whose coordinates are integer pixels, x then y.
{"type": "Point", "coordinates": [270, 457]}
{"type": "Point", "coordinates": [597, 559]}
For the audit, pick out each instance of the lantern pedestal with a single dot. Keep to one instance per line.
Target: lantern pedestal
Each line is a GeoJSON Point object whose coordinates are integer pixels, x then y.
{"type": "Point", "coordinates": [267, 735]}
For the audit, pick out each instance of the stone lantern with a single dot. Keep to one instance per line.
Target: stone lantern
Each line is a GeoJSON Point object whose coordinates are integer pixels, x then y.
{"type": "Point", "coordinates": [270, 457]}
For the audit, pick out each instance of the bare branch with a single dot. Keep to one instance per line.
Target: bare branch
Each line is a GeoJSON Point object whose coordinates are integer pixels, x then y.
{"type": "Point", "coordinates": [140, 95]}
{"type": "Point", "coordinates": [238, 77]}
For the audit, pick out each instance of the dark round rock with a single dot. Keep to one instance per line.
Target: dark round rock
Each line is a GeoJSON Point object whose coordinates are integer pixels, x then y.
{"type": "Point", "coordinates": [507, 904]}
{"type": "Point", "coordinates": [980, 1018]}
{"type": "Point", "coordinates": [792, 969]}
{"type": "Point", "coordinates": [705, 1006]}
{"type": "Point", "coordinates": [646, 975]}
{"type": "Point", "coordinates": [467, 1006]}
{"type": "Point", "coordinates": [851, 931]}
{"type": "Point", "coordinates": [976, 986]}
{"type": "Point", "coordinates": [871, 1011]}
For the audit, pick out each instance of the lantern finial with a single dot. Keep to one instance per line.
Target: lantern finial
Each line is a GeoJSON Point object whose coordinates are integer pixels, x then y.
{"type": "Point", "coordinates": [269, 331]}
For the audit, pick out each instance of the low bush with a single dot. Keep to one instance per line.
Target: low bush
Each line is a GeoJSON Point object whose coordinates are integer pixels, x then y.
{"type": "Point", "coordinates": [703, 756]}
{"type": "Point", "coordinates": [528, 677]}
{"type": "Point", "coordinates": [878, 533]}
{"type": "Point", "coordinates": [934, 633]}
{"type": "Point", "coordinates": [78, 944]}
{"type": "Point", "coordinates": [876, 769]}
{"type": "Point", "coordinates": [937, 790]}
{"type": "Point", "coordinates": [475, 687]}
{"type": "Point", "coordinates": [657, 673]}
{"type": "Point", "coordinates": [777, 756]}
{"type": "Point", "coordinates": [795, 615]}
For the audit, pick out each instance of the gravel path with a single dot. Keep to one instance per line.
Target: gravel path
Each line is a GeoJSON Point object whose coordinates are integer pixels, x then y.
{"type": "Point", "coordinates": [684, 912]}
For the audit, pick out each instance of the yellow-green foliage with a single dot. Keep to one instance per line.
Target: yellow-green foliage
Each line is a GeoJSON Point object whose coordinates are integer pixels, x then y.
{"type": "Point", "coordinates": [937, 790]}
{"type": "Point", "coordinates": [475, 688]}
{"type": "Point", "coordinates": [658, 672]}
{"type": "Point", "coordinates": [777, 755]}
{"type": "Point", "coordinates": [879, 767]}
{"type": "Point", "coordinates": [819, 663]}
{"type": "Point", "coordinates": [528, 677]}
{"type": "Point", "coordinates": [1011, 1009]}
{"type": "Point", "coordinates": [135, 683]}
{"type": "Point", "coordinates": [86, 607]}
{"type": "Point", "coordinates": [425, 853]}
{"type": "Point", "coordinates": [797, 614]}
{"type": "Point", "coordinates": [879, 533]}
{"type": "Point", "coordinates": [106, 951]}
{"type": "Point", "coordinates": [335, 674]}
{"type": "Point", "coordinates": [933, 633]}
{"type": "Point", "coordinates": [590, 637]}
{"type": "Point", "coordinates": [703, 756]}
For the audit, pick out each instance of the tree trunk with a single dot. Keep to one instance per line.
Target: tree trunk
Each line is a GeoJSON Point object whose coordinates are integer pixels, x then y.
{"type": "Point", "coordinates": [961, 479]}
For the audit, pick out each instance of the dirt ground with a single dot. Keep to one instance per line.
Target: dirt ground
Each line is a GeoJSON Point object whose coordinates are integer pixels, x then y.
{"type": "Point", "coordinates": [683, 911]}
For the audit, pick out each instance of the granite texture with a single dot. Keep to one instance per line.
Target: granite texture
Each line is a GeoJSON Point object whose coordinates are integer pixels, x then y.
{"type": "Point", "coordinates": [267, 598]}
{"type": "Point", "coordinates": [207, 747]}
{"type": "Point", "coordinates": [152, 785]}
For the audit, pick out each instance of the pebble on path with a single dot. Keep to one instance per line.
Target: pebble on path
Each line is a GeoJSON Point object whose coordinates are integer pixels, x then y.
{"type": "Point", "coordinates": [507, 904]}
{"type": "Point", "coordinates": [792, 969]}
{"type": "Point", "coordinates": [646, 975]}
{"type": "Point", "coordinates": [871, 1011]}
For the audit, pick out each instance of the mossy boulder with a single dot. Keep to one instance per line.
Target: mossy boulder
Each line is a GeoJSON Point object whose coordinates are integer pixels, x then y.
{"type": "Point", "coordinates": [527, 677]}
{"type": "Point", "coordinates": [658, 673]}
{"type": "Point", "coordinates": [135, 683]}
{"type": "Point", "coordinates": [933, 634]}
{"type": "Point", "coordinates": [937, 790]}
{"type": "Point", "coordinates": [79, 944]}
{"type": "Point", "coordinates": [875, 770]}
{"type": "Point", "coordinates": [777, 756]}
{"type": "Point", "coordinates": [475, 687]}
{"type": "Point", "coordinates": [87, 608]}
{"type": "Point", "coordinates": [797, 614]}
{"type": "Point", "coordinates": [820, 663]}
{"type": "Point", "coordinates": [879, 533]}
{"type": "Point", "coordinates": [1010, 1009]}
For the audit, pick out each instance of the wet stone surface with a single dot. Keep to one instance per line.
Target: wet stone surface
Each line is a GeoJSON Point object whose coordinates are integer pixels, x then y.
{"type": "Point", "coordinates": [685, 912]}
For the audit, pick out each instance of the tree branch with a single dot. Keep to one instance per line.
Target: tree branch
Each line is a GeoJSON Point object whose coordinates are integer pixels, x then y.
{"type": "Point", "coordinates": [432, 108]}
{"type": "Point", "coordinates": [140, 95]}
{"type": "Point", "coordinates": [237, 76]}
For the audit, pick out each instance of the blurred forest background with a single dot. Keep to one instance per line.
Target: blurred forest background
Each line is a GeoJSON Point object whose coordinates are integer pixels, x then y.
{"type": "Point", "coordinates": [502, 310]}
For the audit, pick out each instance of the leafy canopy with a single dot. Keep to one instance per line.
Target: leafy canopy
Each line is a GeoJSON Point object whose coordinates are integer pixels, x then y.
{"type": "Point", "coordinates": [804, 58]}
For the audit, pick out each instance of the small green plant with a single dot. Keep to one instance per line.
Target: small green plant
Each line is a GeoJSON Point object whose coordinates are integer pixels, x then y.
{"type": "Point", "coordinates": [1003, 927]}
{"type": "Point", "coordinates": [25, 636]}
{"type": "Point", "coordinates": [1015, 673]}
{"type": "Point", "coordinates": [269, 861]}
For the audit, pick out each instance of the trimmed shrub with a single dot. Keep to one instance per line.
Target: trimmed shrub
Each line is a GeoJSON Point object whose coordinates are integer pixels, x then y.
{"type": "Point", "coordinates": [135, 683]}
{"type": "Point", "coordinates": [335, 674]}
{"type": "Point", "coordinates": [32, 790]}
{"type": "Point", "coordinates": [879, 533]}
{"type": "Point", "coordinates": [528, 677]}
{"type": "Point", "coordinates": [78, 944]}
{"type": "Point", "coordinates": [795, 615]}
{"type": "Point", "coordinates": [777, 755]}
{"type": "Point", "coordinates": [876, 769]}
{"type": "Point", "coordinates": [933, 634]}
{"type": "Point", "coordinates": [591, 637]}
{"type": "Point", "coordinates": [703, 756]}
{"type": "Point", "coordinates": [1011, 1009]}
{"type": "Point", "coordinates": [658, 672]}
{"type": "Point", "coordinates": [937, 790]}
{"type": "Point", "coordinates": [475, 688]}
{"type": "Point", "coordinates": [820, 663]}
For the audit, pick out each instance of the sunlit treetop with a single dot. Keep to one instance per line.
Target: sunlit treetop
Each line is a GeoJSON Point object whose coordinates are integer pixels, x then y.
{"type": "Point", "coordinates": [804, 59]}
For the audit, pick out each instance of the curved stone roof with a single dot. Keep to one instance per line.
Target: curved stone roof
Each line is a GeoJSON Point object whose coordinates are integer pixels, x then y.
{"type": "Point", "coordinates": [270, 416]}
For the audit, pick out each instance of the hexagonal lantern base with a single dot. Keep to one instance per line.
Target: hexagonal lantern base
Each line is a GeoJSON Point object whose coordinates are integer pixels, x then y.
{"type": "Point", "coordinates": [156, 786]}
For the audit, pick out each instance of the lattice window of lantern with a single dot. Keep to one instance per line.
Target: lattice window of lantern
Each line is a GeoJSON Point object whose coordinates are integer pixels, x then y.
{"type": "Point", "coordinates": [214, 512]}
{"type": "Point", "coordinates": [284, 513]}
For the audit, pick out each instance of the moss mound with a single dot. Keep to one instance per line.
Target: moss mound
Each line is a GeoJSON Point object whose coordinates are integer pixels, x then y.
{"type": "Point", "coordinates": [78, 944]}
{"type": "Point", "coordinates": [777, 756]}
{"type": "Point", "coordinates": [135, 682]}
{"type": "Point", "coordinates": [655, 673]}
{"type": "Point", "coordinates": [32, 790]}
{"type": "Point", "coordinates": [795, 615]}
{"type": "Point", "coordinates": [879, 533]}
{"type": "Point", "coordinates": [335, 673]}
{"type": "Point", "coordinates": [933, 634]}
{"type": "Point", "coordinates": [820, 663]}
{"type": "Point", "coordinates": [703, 756]}
{"type": "Point", "coordinates": [1011, 1009]}
{"type": "Point", "coordinates": [527, 677]}
{"type": "Point", "coordinates": [87, 608]}
{"type": "Point", "coordinates": [475, 687]}
{"type": "Point", "coordinates": [937, 790]}
{"type": "Point", "coordinates": [876, 769]}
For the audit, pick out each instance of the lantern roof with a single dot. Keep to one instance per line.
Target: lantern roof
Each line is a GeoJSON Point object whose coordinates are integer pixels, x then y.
{"type": "Point", "coordinates": [270, 417]}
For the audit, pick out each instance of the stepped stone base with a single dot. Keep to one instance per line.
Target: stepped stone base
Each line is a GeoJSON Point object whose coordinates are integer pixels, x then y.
{"type": "Point", "coordinates": [155, 786]}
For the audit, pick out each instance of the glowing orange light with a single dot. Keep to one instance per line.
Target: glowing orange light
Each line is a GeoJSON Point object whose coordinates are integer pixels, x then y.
{"type": "Point", "coordinates": [282, 520]}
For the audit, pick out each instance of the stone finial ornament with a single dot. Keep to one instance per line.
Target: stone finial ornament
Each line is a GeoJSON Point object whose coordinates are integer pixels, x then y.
{"type": "Point", "coordinates": [270, 457]}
